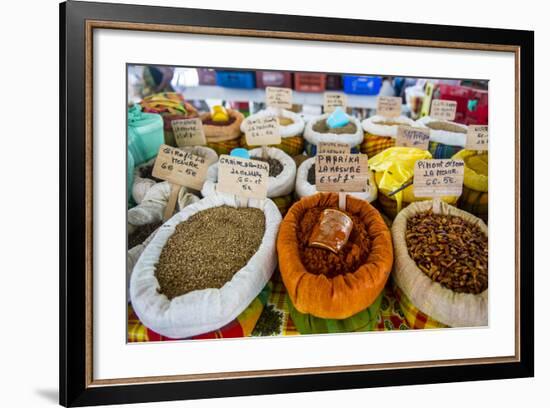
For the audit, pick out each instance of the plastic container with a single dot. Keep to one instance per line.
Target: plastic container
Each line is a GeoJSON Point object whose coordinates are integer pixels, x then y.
{"type": "Point", "coordinates": [129, 177]}
{"type": "Point", "coordinates": [310, 82]}
{"type": "Point", "coordinates": [206, 76]}
{"type": "Point", "coordinates": [460, 94]}
{"type": "Point", "coordinates": [145, 134]}
{"type": "Point", "coordinates": [236, 79]}
{"type": "Point", "coordinates": [478, 108]}
{"type": "Point", "coordinates": [273, 78]}
{"type": "Point", "coordinates": [362, 85]}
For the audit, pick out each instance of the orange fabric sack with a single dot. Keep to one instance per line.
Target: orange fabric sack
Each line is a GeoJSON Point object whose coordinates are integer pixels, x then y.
{"type": "Point", "coordinates": [344, 295]}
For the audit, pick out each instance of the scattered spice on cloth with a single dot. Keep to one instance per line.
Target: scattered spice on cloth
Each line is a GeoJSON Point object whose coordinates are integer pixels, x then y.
{"type": "Point", "coordinates": [321, 261]}
{"type": "Point", "coordinates": [322, 127]}
{"type": "Point", "coordinates": [450, 250]}
{"type": "Point", "coordinates": [269, 323]}
{"type": "Point", "coordinates": [275, 166]}
{"type": "Point", "coordinates": [206, 250]}
{"type": "Point", "coordinates": [211, 122]}
{"type": "Point", "coordinates": [449, 127]}
{"type": "Point", "coordinates": [141, 233]}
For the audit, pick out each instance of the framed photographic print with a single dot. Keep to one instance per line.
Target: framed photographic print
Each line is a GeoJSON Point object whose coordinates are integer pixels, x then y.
{"type": "Point", "coordinates": [256, 204]}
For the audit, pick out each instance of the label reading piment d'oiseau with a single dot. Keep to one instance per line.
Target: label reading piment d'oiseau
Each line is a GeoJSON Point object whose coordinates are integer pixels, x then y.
{"type": "Point", "coordinates": [179, 167]}
{"type": "Point", "coordinates": [333, 100]}
{"type": "Point", "coordinates": [408, 136]}
{"type": "Point", "coordinates": [263, 131]}
{"type": "Point", "coordinates": [438, 177]}
{"type": "Point", "coordinates": [388, 106]}
{"type": "Point", "coordinates": [188, 132]}
{"type": "Point", "coordinates": [333, 148]}
{"type": "Point", "coordinates": [443, 110]}
{"type": "Point", "coordinates": [342, 172]}
{"type": "Point", "coordinates": [242, 177]}
{"type": "Point", "coordinates": [477, 137]}
{"type": "Point", "coordinates": [278, 97]}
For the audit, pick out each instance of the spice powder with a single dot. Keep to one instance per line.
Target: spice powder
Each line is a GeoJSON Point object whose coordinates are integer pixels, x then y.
{"type": "Point", "coordinates": [206, 250]}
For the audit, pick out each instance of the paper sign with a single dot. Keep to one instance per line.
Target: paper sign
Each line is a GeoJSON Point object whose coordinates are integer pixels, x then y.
{"type": "Point", "coordinates": [342, 172]}
{"type": "Point", "coordinates": [243, 177]}
{"type": "Point", "coordinates": [278, 97]}
{"type": "Point", "coordinates": [333, 100]}
{"type": "Point", "coordinates": [179, 167]}
{"type": "Point", "coordinates": [443, 110]}
{"type": "Point", "coordinates": [409, 136]}
{"type": "Point", "coordinates": [477, 137]}
{"type": "Point", "coordinates": [188, 132]}
{"type": "Point", "coordinates": [333, 148]}
{"type": "Point", "coordinates": [388, 106]}
{"type": "Point", "coordinates": [438, 177]}
{"type": "Point", "coordinates": [263, 130]}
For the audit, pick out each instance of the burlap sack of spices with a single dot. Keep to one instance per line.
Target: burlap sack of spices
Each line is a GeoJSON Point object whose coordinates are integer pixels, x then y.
{"type": "Point", "coordinates": [143, 180]}
{"type": "Point", "coordinates": [304, 188]}
{"type": "Point", "coordinates": [475, 192]}
{"type": "Point", "coordinates": [446, 137]}
{"type": "Point", "coordinates": [344, 295]}
{"type": "Point", "coordinates": [202, 311]}
{"type": "Point", "coordinates": [291, 128]}
{"type": "Point", "coordinates": [381, 132]}
{"type": "Point", "coordinates": [314, 137]}
{"type": "Point", "coordinates": [281, 185]}
{"type": "Point", "coordinates": [393, 168]}
{"type": "Point", "coordinates": [433, 299]}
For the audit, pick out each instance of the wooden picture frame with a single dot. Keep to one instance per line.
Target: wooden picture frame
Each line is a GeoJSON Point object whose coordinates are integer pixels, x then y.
{"type": "Point", "coordinates": [78, 20]}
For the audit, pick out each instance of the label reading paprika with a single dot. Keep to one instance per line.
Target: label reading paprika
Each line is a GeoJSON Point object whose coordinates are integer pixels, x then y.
{"type": "Point", "coordinates": [333, 148]}
{"type": "Point", "coordinates": [243, 177]}
{"type": "Point", "coordinates": [262, 131]}
{"type": "Point", "coordinates": [408, 136]}
{"type": "Point", "coordinates": [278, 97]}
{"type": "Point", "coordinates": [443, 110]}
{"type": "Point", "coordinates": [179, 167]}
{"type": "Point", "coordinates": [438, 177]}
{"type": "Point", "coordinates": [477, 137]}
{"type": "Point", "coordinates": [333, 100]}
{"type": "Point", "coordinates": [388, 106]}
{"type": "Point", "coordinates": [188, 132]}
{"type": "Point", "coordinates": [342, 172]}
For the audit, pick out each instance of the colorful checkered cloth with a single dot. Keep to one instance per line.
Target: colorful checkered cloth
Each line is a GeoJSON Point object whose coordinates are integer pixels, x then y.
{"type": "Point", "coordinates": [224, 147]}
{"type": "Point", "coordinates": [414, 317]}
{"type": "Point", "coordinates": [292, 146]}
{"type": "Point", "coordinates": [443, 151]}
{"type": "Point", "coordinates": [372, 144]}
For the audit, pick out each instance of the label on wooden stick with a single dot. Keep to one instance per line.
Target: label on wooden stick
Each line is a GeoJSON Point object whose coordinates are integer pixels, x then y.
{"type": "Point", "coordinates": [242, 177]}
{"type": "Point", "coordinates": [342, 172]}
{"type": "Point", "coordinates": [443, 110]}
{"type": "Point", "coordinates": [388, 106]}
{"type": "Point", "coordinates": [263, 130]}
{"type": "Point", "coordinates": [408, 136]}
{"type": "Point", "coordinates": [477, 137]}
{"type": "Point", "coordinates": [438, 177]}
{"type": "Point", "coordinates": [179, 167]}
{"type": "Point", "coordinates": [333, 100]}
{"type": "Point", "coordinates": [278, 97]}
{"type": "Point", "coordinates": [333, 148]}
{"type": "Point", "coordinates": [188, 132]}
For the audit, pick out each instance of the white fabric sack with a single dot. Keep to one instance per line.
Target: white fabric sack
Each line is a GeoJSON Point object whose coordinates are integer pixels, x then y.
{"type": "Point", "coordinates": [142, 185]}
{"type": "Point", "coordinates": [153, 204]}
{"type": "Point", "coordinates": [202, 311]}
{"type": "Point", "coordinates": [278, 186]}
{"type": "Point", "coordinates": [444, 305]}
{"type": "Point", "coordinates": [375, 125]}
{"type": "Point", "coordinates": [315, 138]}
{"type": "Point", "coordinates": [445, 136]}
{"type": "Point", "coordinates": [294, 129]}
{"type": "Point", "coordinates": [304, 188]}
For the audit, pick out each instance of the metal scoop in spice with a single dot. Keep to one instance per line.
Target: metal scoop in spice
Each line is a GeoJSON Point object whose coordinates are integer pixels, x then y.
{"type": "Point", "coordinates": [332, 231]}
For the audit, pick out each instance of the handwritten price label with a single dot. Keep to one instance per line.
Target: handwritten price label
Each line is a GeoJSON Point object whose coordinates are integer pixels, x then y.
{"type": "Point", "coordinates": [408, 136]}
{"type": "Point", "coordinates": [333, 148]}
{"type": "Point", "coordinates": [333, 100]}
{"type": "Point", "coordinates": [262, 131]}
{"type": "Point", "coordinates": [243, 177]}
{"type": "Point", "coordinates": [443, 110]}
{"type": "Point", "coordinates": [477, 137]}
{"type": "Point", "coordinates": [278, 97]}
{"type": "Point", "coordinates": [438, 178]}
{"type": "Point", "coordinates": [179, 167]}
{"type": "Point", "coordinates": [188, 132]}
{"type": "Point", "coordinates": [342, 172]}
{"type": "Point", "coordinates": [388, 106]}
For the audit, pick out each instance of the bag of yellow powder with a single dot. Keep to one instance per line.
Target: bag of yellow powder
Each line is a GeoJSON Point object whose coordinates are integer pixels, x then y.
{"type": "Point", "coordinates": [393, 168]}
{"type": "Point", "coordinates": [475, 195]}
